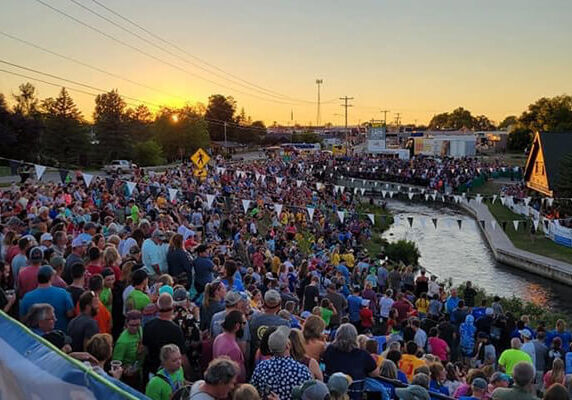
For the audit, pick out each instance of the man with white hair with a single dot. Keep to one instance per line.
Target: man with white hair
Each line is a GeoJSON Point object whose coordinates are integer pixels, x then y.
{"type": "Point", "coordinates": [510, 357]}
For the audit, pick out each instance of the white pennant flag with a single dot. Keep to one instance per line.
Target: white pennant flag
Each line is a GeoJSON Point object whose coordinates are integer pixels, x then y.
{"type": "Point", "coordinates": [371, 218]}
{"type": "Point", "coordinates": [362, 190]}
{"type": "Point", "coordinates": [515, 223]}
{"type": "Point", "coordinates": [220, 170]}
{"type": "Point", "coordinates": [331, 175]}
{"type": "Point", "coordinates": [257, 175]}
{"type": "Point", "coordinates": [399, 188]}
{"type": "Point", "coordinates": [502, 200]}
{"type": "Point", "coordinates": [245, 205]}
{"type": "Point", "coordinates": [342, 189]}
{"type": "Point", "coordinates": [310, 212]}
{"type": "Point", "coordinates": [550, 200]}
{"type": "Point", "coordinates": [172, 194]}
{"type": "Point", "coordinates": [527, 200]}
{"type": "Point", "coordinates": [399, 171]}
{"type": "Point", "coordinates": [40, 169]}
{"type": "Point", "coordinates": [457, 198]}
{"type": "Point", "coordinates": [353, 179]}
{"type": "Point", "coordinates": [87, 178]}
{"type": "Point", "coordinates": [387, 170]}
{"type": "Point", "coordinates": [433, 196]}
{"type": "Point", "coordinates": [130, 187]}
{"type": "Point", "coordinates": [336, 188]}
{"type": "Point", "coordinates": [319, 185]}
{"type": "Point", "coordinates": [391, 195]}
{"type": "Point", "coordinates": [299, 183]}
{"type": "Point", "coordinates": [210, 199]}
{"type": "Point", "coordinates": [426, 197]}
{"type": "Point", "coordinates": [479, 199]}
{"type": "Point", "coordinates": [355, 190]}
{"type": "Point", "coordinates": [341, 216]}
{"type": "Point", "coordinates": [413, 171]}
{"type": "Point", "coordinates": [336, 168]}
{"type": "Point", "coordinates": [278, 209]}
{"type": "Point", "coordinates": [262, 178]}
{"type": "Point", "coordinates": [494, 224]}
{"type": "Point", "coordinates": [238, 173]}
{"type": "Point", "coordinates": [536, 222]}
{"type": "Point", "coordinates": [410, 194]}
{"type": "Point", "coordinates": [383, 193]}
{"type": "Point", "coordinates": [479, 170]}
{"type": "Point", "coordinates": [279, 180]}
{"type": "Point", "coordinates": [494, 198]}
{"type": "Point", "coordinates": [375, 184]}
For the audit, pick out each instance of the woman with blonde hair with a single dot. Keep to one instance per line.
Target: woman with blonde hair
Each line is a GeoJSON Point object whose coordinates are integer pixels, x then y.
{"type": "Point", "coordinates": [100, 346]}
{"type": "Point", "coordinates": [213, 302]}
{"type": "Point", "coordinates": [555, 375]}
{"type": "Point", "coordinates": [298, 353]}
{"type": "Point", "coordinates": [111, 259]}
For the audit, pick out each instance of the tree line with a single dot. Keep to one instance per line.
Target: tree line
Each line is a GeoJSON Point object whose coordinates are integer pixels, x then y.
{"type": "Point", "coordinates": [547, 114]}
{"type": "Point", "coordinates": [52, 131]}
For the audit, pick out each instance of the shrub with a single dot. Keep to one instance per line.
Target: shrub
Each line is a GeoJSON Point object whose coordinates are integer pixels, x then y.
{"type": "Point", "coordinates": [403, 251]}
{"type": "Point", "coordinates": [148, 153]}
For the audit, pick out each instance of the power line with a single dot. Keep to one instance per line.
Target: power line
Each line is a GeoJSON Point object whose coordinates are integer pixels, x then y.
{"type": "Point", "coordinates": [137, 49]}
{"type": "Point", "coordinates": [211, 120]}
{"type": "Point", "coordinates": [346, 105]}
{"type": "Point", "coordinates": [384, 116]}
{"type": "Point", "coordinates": [175, 46]}
{"type": "Point", "coordinates": [114, 75]}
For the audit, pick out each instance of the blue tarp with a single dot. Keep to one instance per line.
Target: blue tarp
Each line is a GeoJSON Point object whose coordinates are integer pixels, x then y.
{"type": "Point", "coordinates": [31, 368]}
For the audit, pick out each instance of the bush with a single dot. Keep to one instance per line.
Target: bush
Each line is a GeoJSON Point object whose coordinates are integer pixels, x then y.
{"type": "Point", "coordinates": [148, 153]}
{"type": "Point", "coordinates": [403, 251]}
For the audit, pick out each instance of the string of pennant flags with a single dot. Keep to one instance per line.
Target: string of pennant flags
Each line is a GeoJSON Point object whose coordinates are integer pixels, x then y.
{"type": "Point", "coordinates": [384, 190]}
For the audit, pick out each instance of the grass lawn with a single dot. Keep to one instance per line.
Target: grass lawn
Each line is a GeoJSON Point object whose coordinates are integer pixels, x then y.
{"type": "Point", "coordinates": [4, 171]}
{"type": "Point", "coordinates": [524, 240]}
{"type": "Point", "coordinates": [489, 188]}
{"type": "Point", "coordinates": [513, 159]}
{"type": "Point", "coordinates": [383, 221]}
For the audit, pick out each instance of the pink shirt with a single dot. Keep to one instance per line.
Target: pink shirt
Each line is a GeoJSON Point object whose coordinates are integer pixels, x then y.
{"type": "Point", "coordinates": [225, 345]}
{"type": "Point", "coordinates": [438, 347]}
{"type": "Point", "coordinates": [27, 280]}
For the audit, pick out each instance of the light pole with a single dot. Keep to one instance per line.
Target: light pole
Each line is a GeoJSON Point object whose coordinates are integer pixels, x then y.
{"type": "Point", "coordinates": [318, 82]}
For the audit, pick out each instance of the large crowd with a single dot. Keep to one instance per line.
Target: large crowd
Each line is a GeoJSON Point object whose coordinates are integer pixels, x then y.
{"type": "Point", "coordinates": [231, 289]}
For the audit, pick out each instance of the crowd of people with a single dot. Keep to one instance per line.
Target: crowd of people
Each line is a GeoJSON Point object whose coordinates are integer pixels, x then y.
{"type": "Point", "coordinates": [232, 289]}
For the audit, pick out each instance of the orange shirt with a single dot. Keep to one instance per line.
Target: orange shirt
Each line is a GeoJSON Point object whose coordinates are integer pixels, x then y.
{"type": "Point", "coordinates": [103, 317]}
{"type": "Point", "coordinates": [409, 363]}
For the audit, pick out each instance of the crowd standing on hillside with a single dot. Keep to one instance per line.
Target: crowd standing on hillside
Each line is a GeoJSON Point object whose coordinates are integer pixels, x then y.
{"type": "Point", "coordinates": [230, 296]}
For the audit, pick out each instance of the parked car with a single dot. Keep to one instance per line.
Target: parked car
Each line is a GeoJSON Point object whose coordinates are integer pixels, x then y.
{"type": "Point", "coordinates": [119, 167]}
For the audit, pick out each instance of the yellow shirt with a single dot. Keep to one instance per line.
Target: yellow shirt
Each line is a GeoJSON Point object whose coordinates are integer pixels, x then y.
{"type": "Point", "coordinates": [422, 305]}
{"type": "Point", "coordinates": [350, 259]}
{"type": "Point", "coordinates": [335, 259]}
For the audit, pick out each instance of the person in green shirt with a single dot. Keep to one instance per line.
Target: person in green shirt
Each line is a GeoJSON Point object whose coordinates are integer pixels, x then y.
{"type": "Point", "coordinates": [137, 299]}
{"type": "Point", "coordinates": [169, 378]}
{"type": "Point", "coordinates": [327, 310]}
{"type": "Point", "coordinates": [108, 281]}
{"type": "Point", "coordinates": [130, 351]}
{"type": "Point", "coordinates": [134, 211]}
{"type": "Point", "coordinates": [510, 357]}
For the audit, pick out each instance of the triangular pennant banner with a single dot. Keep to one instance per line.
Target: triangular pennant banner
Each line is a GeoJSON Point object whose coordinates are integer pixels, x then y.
{"type": "Point", "coordinates": [319, 186]}
{"type": "Point", "coordinates": [172, 194]}
{"type": "Point", "coordinates": [342, 189]}
{"type": "Point", "coordinates": [279, 180]}
{"type": "Point", "coordinates": [245, 205]}
{"type": "Point", "coordinates": [391, 195]}
{"type": "Point", "coordinates": [479, 199]}
{"type": "Point", "coordinates": [503, 200]}
{"type": "Point", "coordinates": [336, 188]}
{"type": "Point", "coordinates": [434, 220]}
{"type": "Point", "coordinates": [310, 212]}
{"type": "Point", "coordinates": [355, 190]}
{"type": "Point", "coordinates": [536, 223]}
{"type": "Point", "coordinates": [87, 178]}
{"type": "Point", "coordinates": [460, 223]}
{"type": "Point", "coordinates": [341, 216]}
{"type": "Point", "coordinates": [383, 193]}
{"type": "Point", "coordinates": [262, 178]}
{"type": "Point", "coordinates": [410, 194]}
{"type": "Point", "coordinates": [494, 198]}
{"type": "Point", "coordinates": [40, 169]}
{"type": "Point", "coordinates": [64, 175]}
{"type": "Point", "coordinates": [220, 170]}
{"type": "Point", "coordinates": [371, 218]}
{"type": "Point", "coordinates": [299, 183]}
{"type": "Point", "coordinates": [410, 220]}
{"type": "Point", "coordinates": [526, 200]}
{"type": "Point", "coordinates": [433, 196]}
{"type": "Point", "coordinates": [515, 223]}
{"type": "Point", "coordinates": [278, 209]}
{"type": "Point", "coordinates": [426, 197]}
{"type": "Point", "coordinates": [257, 175]}
{"type": "Point", "coordinates": [550, 200]}
{"type": "Point", "coordinates": [130, 187]}
{"type": "Point", "coordinates": [362, 190]}
{"type": "Point", "coordinates": [210, 199]}
{"type": "Point", "coordinates": [494, 224]}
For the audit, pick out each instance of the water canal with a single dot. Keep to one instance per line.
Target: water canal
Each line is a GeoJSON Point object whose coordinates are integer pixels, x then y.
{"type": "Point", "coordinates": [462, 254]}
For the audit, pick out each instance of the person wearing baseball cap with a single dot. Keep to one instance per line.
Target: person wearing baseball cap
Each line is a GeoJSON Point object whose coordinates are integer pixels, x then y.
{"type": "Point", "coordinates": [46, 241]}
{"type": "Point", "coordinates": [311, 390]}
{"type": "Point", "coordinates": [338, 384]}
{"type": "Point", "coordinates": [280, 373]}
{"type": "Point", "coordinates": [267, 318]}
{"type": "Point", "coordinates": [57, 297]}
{"type": "Point", "coordinates": [28, 276]}
{"type": "Point", "coordinates": [79, 246]}
{"type": "Point", "coordinates": [232, 301]}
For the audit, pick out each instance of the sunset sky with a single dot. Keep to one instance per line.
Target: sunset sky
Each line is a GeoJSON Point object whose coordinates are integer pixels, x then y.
{"type": "Point", "coordinates": [414, 57]}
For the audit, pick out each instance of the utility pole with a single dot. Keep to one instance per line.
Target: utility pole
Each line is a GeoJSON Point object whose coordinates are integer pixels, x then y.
{"type": "Point", "coordinates": [397, 120]}
{"type": "Point", "coordinates": [384, 116]}
{"type": "Point", "coordinates": [225, 144]}
{"type": "Point", "coordinates": [318, 117]}
{"type": "Point", "coordinates": [346, 105]}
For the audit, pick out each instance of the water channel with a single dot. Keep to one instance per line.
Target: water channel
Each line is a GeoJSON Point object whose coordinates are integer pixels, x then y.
{"type": "Point", "coordinates": [463, 254]}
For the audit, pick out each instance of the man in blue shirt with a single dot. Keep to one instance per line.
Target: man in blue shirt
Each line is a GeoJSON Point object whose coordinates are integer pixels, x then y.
{"type": "Point", "coordinates": [452, 302]}
{"type": "Point", "coordinates": [58, 298]}
{"type": "Point", "coordinates": [354, 305]}
{"type": "Point", "coordinates": [203, 267]}
{"type": "Point", "coordinates": [560, 332]}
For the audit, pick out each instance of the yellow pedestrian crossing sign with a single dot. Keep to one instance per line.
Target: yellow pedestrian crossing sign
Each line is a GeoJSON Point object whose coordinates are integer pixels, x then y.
{"type": "Point", "coordinates": [200, 158]}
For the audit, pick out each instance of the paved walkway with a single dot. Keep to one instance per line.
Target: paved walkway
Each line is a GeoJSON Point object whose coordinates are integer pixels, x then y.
{"type": "Point", "coordinates": [498, 240]}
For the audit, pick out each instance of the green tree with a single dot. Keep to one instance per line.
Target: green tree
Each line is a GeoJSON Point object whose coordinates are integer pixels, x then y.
{"type": "Point", "coordinates": [548, 115]}
{"type": "Point", "coordinates": [439, 121]}
{"type": "Point", "coordinates": [509, 121]}
{"type": "Point", "coordinates": [306, 137]}
{"type": "Point", "coordinates": [111, 130]}
{"type": "Point", "coordinates": [65, 137]}
{"type": "Point", "coordinates": [219, 110]}
{"type": "Point", "coordinates": [482, 123]}
{"type": "Point", "coordinates": [7, 134]}
{"type": "Point", "coordinates": [461, 118]}
{"type": "Point", "coordinates": [519, 139]}
{"type": "Point", "coordinates": [564, 186]}
{"type": "Point", "coordinates": [148, 153]}
{"type": "Point", "coordinates": [139, 123]}
{"type": "Point", "coordinates": [27, 125]}
{"type": "Point", "coordinates": [179, 137]}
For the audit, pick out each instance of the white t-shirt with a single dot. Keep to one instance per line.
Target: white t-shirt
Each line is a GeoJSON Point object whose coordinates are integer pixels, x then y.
{"type": "Point", "coordinates": [385, 304]}
{"type": "Point", "coordinates": [197, 394]}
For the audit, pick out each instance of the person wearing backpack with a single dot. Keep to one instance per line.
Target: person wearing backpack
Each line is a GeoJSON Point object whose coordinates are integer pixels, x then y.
{"type": "Point", "coordinates": [170, 377]}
